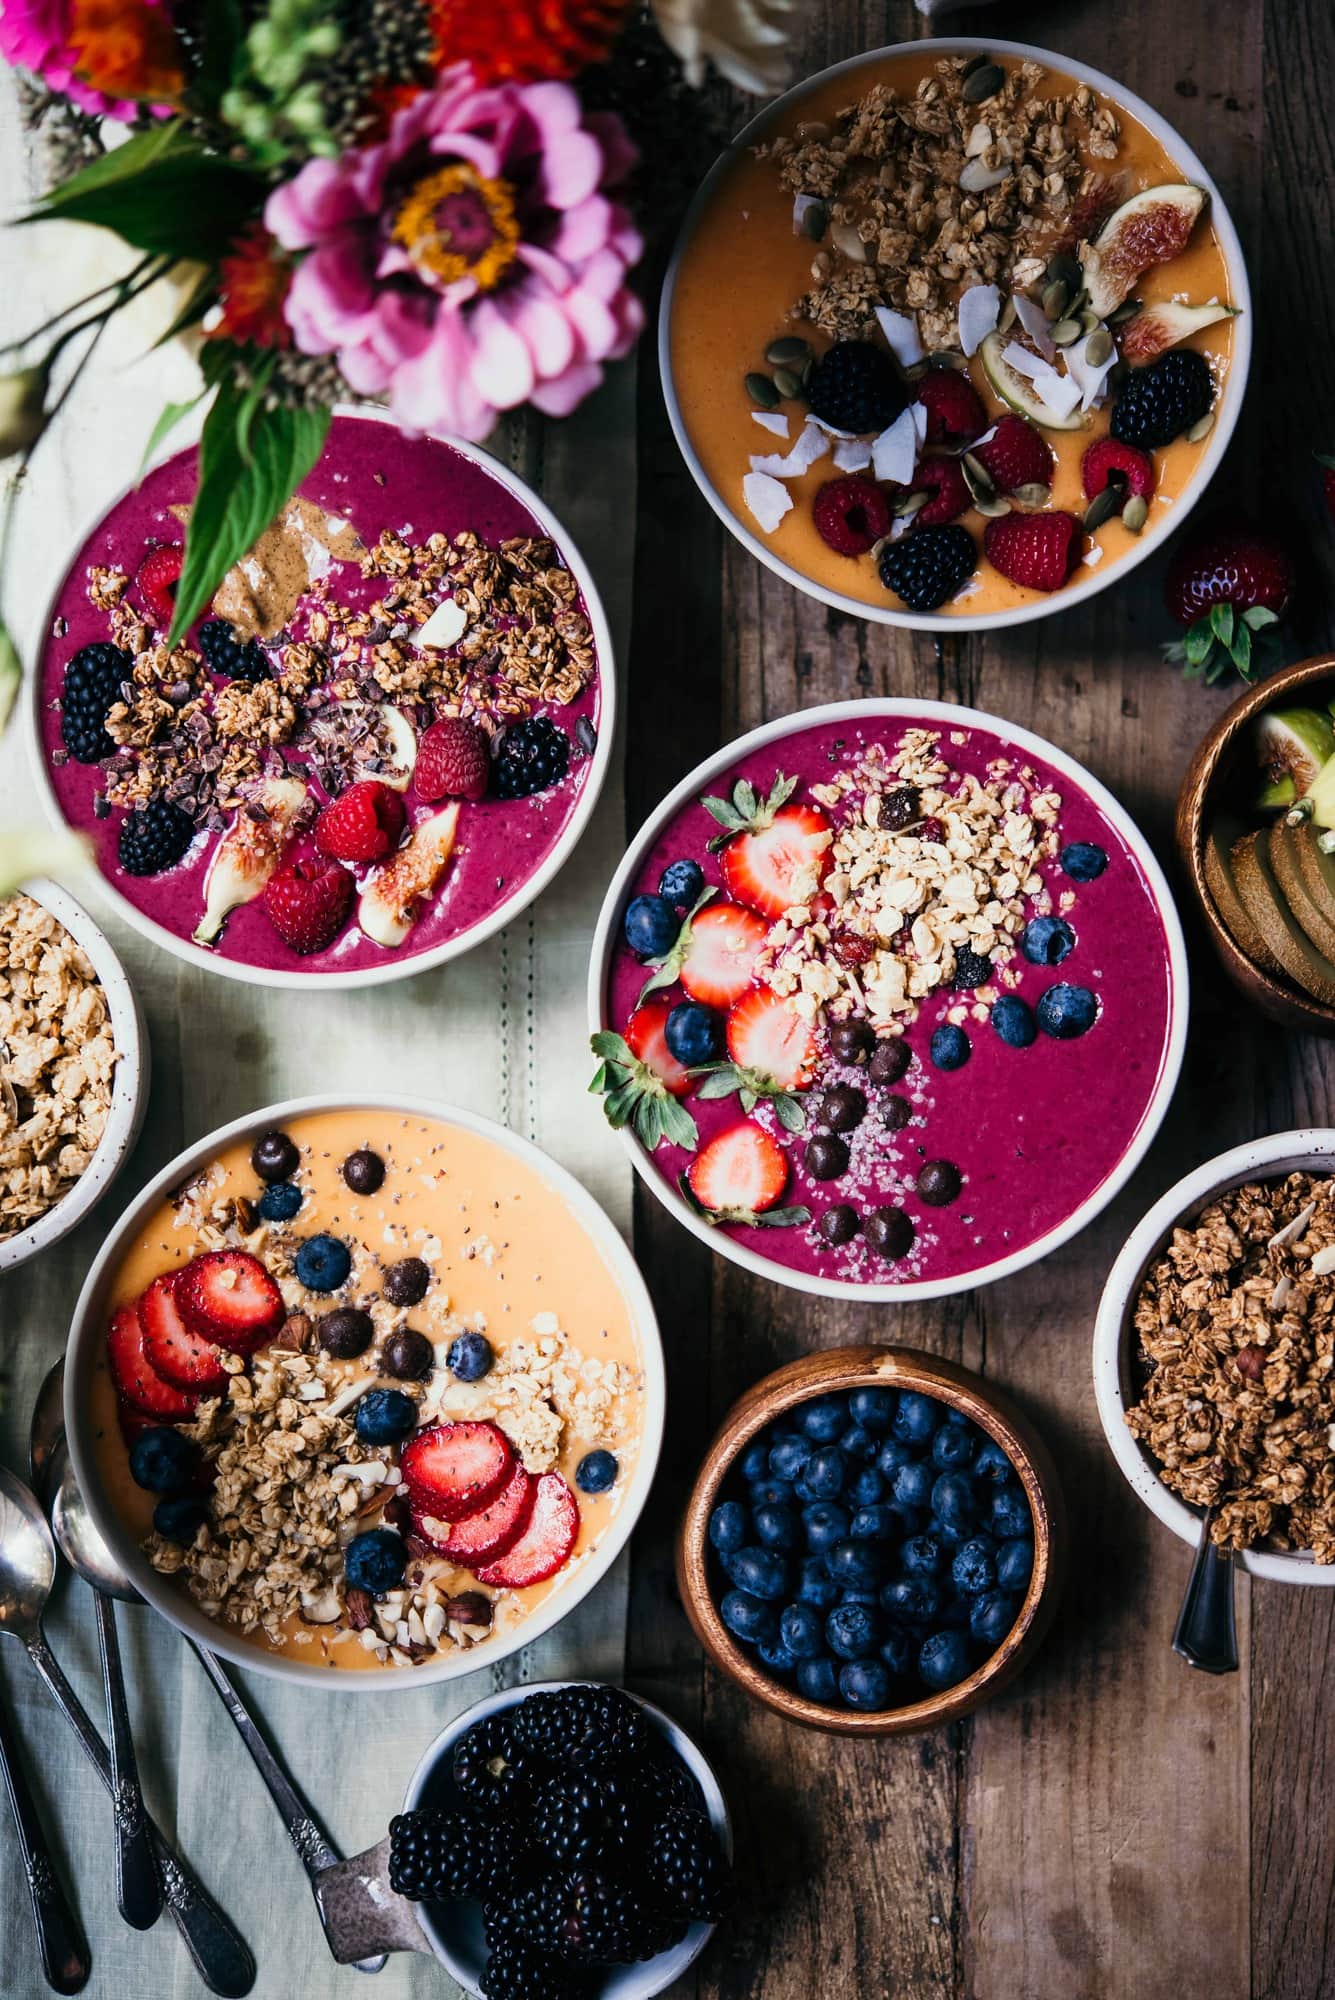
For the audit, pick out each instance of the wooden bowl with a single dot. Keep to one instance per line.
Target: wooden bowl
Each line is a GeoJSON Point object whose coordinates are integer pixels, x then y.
{"type": "Point", "coordinates": [1211, 776]}
{"type": "Point", "coordinates": [839, 1370]}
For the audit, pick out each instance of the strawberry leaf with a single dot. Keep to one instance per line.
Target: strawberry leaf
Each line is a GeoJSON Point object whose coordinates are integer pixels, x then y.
{"type": "Point", "coordinates": [745, 812]}
{"type": "Point", "coordinates": [1221, 622]}
{"type": "Point", "coordinates": [634, 1095]}
{"type": "Point", "coordinates": [726, 1079]}
{"type": "Point", "coordinates": [748, 1218]}
{"type": "Point", "coordinates": [1259, 617]}
{"type": "Point", "coordinates": [1240, 648]}
{"type": "Point", "coordinates": [667, 969]}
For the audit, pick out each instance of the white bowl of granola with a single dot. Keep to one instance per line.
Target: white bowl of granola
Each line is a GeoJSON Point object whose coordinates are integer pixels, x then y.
{"type": "Point", "coordinates": [1222, 1385]}
{"type": "Point", "coordinates": [73, 1069]}
{"type": "Point", "coordinates": [365, 1393]}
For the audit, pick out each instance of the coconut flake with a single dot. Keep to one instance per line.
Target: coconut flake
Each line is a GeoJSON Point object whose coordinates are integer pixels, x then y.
{"type": "Point", "coordinates": [444, 628]}
{"type": "Point", "coordinates": [768, 499]}
{"type": "Point", "coordinates": [1092, 556]}
{"type": "Point", "coordinates": [895, 452]}
{"type": "Point", "coordinates": [1035, 323]}
{"type": "Point", "coordinates": [1060, 392]}
{"type": "Point", "coordinates": [901, 336]}
{"type": "Point", "coordinates": [1093, 381]}
{"type": "Point", "coordinates": [918, 411]}
{"type": "Point", "coordinates": [771, 420]}
{"type": "Point", "coordinates": [829, 429]}
{"type": "Point", "coordinates": [811, 444]}
{"type": "Point", "coordinates": [852, 455]}
{"type": "Point", "coordinates": [978, 312]}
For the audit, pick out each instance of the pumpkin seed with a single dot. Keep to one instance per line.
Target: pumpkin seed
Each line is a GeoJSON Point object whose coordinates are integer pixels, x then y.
{"type": "Point", "coordinates": [787, 351]}
{"type": "Point", "coordinates": [993, 509]}
{"type": "Point", "coordinates": [1201, 428]}
{"type": "Point", "coordinates": [946, 357]}
{"type": "Point", "coordinates": [977, 477]}
{"type": "Point", "coordinates": [761, 390]}
{"type": "Point", "coordinates": [983, 83]}
{"type": "Point", "coordinates": [1064, 270]}
{"type": "Point", "coordinates": [1135, 513]}
{"type": "Point", "coordinates": [816, 220]}
{"type": "Point", "coordinates": [974, 62]}
{"type": "Point", "coordinates": [1102, 508]}
{"type": "Point", "coordinates": [787, 384]}
{"type": "Point", "coordinates": [1127, 310]}
{"type": "Point", "coordinates": [908, 505]}
{"type": "Point", "coordinates": [1065, 332]}
{"type": "Point", "coordinates": [1033, 493]}
{"type": "Point", "coordinates": [1006, 319]}
{"type": "Point", "coordinates": [1099, 347]}
{"type": "Point", "coordinates": [915, 371]}
{"type": "Point", "coordinates": [1089, 319]}
{"type": "Point", "coordinates": [1056, 297]}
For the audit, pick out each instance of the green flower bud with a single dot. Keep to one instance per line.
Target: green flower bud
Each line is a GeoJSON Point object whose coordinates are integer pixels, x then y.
{"type": "Point", "coordinates": [22, 409]}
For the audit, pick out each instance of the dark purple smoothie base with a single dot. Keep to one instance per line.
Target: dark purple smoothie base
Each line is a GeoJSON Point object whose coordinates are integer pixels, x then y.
{"type": "Point", "coordinates": [1034, 1132]}
{"type": "Point", "coordinates": [376, 479]}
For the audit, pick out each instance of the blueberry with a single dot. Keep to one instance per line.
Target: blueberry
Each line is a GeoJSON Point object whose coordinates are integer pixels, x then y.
{"type": "Point", "coordinates": [776, 1528]}
{"type": "Point", "coordinates": [694, 1034]}
{"type": "Point", "coordinates": [859, 1445]}
{"type": "Point", "coordinates": [974, 1569]}
{"type": "Point", "coordinates": [375, 1561]}
{"type": "Point", "coordinates": [1047, 940]}
{"type": "Point", "coordinates": [922, 1555]}
{"type": "Point", "coordinates": [1010, 1514]}
{"type": "Point", "coordinates": [972, 970]}
{"type": "Point", "coordinates": [943, 1659]}
{"type": "Point", "coordinates": [755, 1460]}
{"type": "Point", "coordinates": [992, 1617]}
{"type": "Point", "coordinates": [866, 1487]}
{"type": "Point", "coordinates": [953, 1446]}
{"type": "Point", "coordinates": [950, 1046]}
{"type": "Point", "coordinates": [896, 1654]}
{"type": "Point", "coordinates": [873, 1409]}
{"type": "Point", "coordinates": [1067, 1011]}
{"type": "Point", "coordinates": [915, 1599]}
{"type": "Point", "coordinates": [991, 1463]}
{"type": "Point", "coordinates": [322, 1263]}
{"type": "Point", "coordinates": [961, 1417]}
{"type": "Point", "coordinates": [1013, 1019]}
{"type": "Point", "coordinates": [788, 1457]}
{"type": "Point", "coordinates": [383, 1416]}
{"type": "Point", "coordinates": [893, 1453]}
{"type": "Point", "coordinates": [162, 1461]}
{"type": "Point", "coordinates": [876, 1524]}
{"type": "Point", "coordinates": [864, 1684]}
{"type": "Point", "coordinates": [728, 1526]}
{"type": "Point", "coordinates": [470, 1357]}
{"type": "Point", "coordinates": [802, 1630]}
{"type": "Point", "coordinates": [747, 1617]}
{"type": "Point", "coordinates": [681, 882]}
{"type": "Point", "coordinates": [816, 1587]}
{"type": "Point", "coordinates": [856, 1565]}
{"type": "Point", "coordinates": [759, 1572]}
{"type": "Point", "coordinates": [597, 1472]}
{"type": "Point", "coordinates": [860, 1594]}
{"type": "Point", "coordinates": [953, 1500]}
{"type": "Point", "coordinates": [280, 1201]}
{"type": "Point", "coordinates": [771, 1493]}
{"type": "Point", "coordinates": [180, 1517]}
{"type": "Point", "coordinates": [650, 926]}
{"type": "Point", "coordinates": [913, 1485]}
{"type": "Point", "coordinates": [817, 1680]}
{"type": "Point", "coordinates": [777, 1657]}
{"type": "Point", "coordinates": [1083, 861]}
{"type": "Point", "coordinates": [850, 1631]}
{"type": "Point", "coordinates": [823, 1475]}
{"type": "Point", "coordinates": [824, 1419]}
{"type": "Point", "coordinates": [916, 1418]}
{"type": "Point", "coordinates": [1015, 1563]}
{"type": "Point", "coordinates": [825, 1524]}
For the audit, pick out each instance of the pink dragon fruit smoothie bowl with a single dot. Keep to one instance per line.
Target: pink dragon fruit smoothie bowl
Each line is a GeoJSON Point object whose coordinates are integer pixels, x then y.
{"type": "Point", "coordinates": [411, 582]}
{"type": "Point", "coordinates": [889, 998]}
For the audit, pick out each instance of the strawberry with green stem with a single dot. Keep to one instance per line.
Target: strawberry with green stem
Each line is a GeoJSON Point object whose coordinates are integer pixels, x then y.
{"type": "Point", "coordinates": [772, 1054]}
{"type": "Point", "coordinates": [1229, 584]}
{"type": "Point", "coordinates": [641, 1082]}
{"type": "Point", "coordinates": [739, 1178]}
{"type": "Point", "coordinates": [773, 853]}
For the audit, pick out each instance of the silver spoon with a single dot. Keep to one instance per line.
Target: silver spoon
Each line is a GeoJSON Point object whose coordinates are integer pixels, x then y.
{"type": "Point", "coordinates": [1206, 1635]}
{"type": "Point", "coordinates": [27, 1572]}
{"type": "Point", "coordinates": [60, 1940]}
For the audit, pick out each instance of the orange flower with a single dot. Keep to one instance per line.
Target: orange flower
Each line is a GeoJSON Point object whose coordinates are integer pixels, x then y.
{"type": "Point", "coordinates": [127, 48]}
{"type": "Point", "coordinates": [252, 285]}
{"type": "Point", "coordinates": [520, 41]}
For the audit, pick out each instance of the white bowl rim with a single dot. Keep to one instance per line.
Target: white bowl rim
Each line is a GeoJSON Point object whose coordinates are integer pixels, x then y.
{"type": "Point", "coordinates": [129, 1090]}
{"type": "Point", "coordinates": [1078, 590]}
{"type": "Point", "coordinates": [951, 716]}
{"type": "Point", "coordinates": [395, 967]}
{"type": "Point", "coordinates": [631, 1982]}
{"type": "Point", "coordinates": [85, 1331]}
{"type": "Point", "coordinates": [1310, 1148]}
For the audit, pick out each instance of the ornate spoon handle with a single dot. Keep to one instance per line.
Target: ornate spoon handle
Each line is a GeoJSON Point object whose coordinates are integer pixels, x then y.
{"type": "Point", "coordinates": [138, 1890]}
{"type": "Point", "coordinates": [65, 1957]}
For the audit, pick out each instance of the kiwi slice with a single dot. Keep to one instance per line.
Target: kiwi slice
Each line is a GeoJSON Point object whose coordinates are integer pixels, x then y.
{"type": "Point", "coordinates": [1317, 873]}
{"type": "Point", "coordinates": [1219, 880]}
{"type": "Point", "coordinates": [1255, 879]}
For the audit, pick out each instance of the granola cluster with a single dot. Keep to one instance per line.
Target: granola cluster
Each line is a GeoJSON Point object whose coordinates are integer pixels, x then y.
{"type": "Point", "coordinates": [57, 1062]}
{"type": "Point", "coordinates": [1236, 1330]}
{"type": "Point", "coordinates": [904, 902]}
{"type": "Point", "coordinates": [929, 194]}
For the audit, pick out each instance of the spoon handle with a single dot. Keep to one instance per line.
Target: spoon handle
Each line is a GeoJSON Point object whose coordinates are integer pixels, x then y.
{"type": "Point", "coordinates": [222, 1957]}
{"type": "Point", "coordinates": [65, 1957]}
{"type": "Point", "coordinates": [1206, 1635]}
{"type": "Point", "coordinates": [138, 1889]}
{"type": "Point", "coordinates": [313, 1850]}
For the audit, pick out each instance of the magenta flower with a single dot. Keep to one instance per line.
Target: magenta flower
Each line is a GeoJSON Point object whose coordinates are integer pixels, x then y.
{"type": "Point", "coordinates": [35, 35]}
{"type": "Point", "coordinates": [474, 260]}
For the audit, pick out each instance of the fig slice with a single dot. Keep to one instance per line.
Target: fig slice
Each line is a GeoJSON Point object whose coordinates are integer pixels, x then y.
{"type": "Point", "coordinates": [1294, 743]}
{"type": "Point", "coordinates": [1154, 329]}
{"type": "Point", "coordinates": [1020, 392]}
{"type": "Point", "coordinates": [1150, 228]}
{"type": "Point", "coordinates": [248, 852]}
{"type": "Point", "coordinates": [389, 903]}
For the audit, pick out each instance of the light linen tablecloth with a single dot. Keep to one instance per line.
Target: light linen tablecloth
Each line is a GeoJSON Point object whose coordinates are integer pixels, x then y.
{"type": "Point", "coordinates": [501, 1032]}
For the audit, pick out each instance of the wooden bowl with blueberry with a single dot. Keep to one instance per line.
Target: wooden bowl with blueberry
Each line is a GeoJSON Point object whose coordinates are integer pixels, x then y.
{"type": "Point", "coordinates": [874, 1543]}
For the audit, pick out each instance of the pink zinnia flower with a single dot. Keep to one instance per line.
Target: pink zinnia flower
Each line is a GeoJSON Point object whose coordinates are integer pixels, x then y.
{"type": "Point", "coordinates": [473, 260]}
{"type": "Point", "coordinates": [36, 35]}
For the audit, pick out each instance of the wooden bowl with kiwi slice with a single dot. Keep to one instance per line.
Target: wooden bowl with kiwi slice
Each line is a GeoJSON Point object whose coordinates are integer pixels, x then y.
{"type": "Point", "coordinates": [1256, 831]}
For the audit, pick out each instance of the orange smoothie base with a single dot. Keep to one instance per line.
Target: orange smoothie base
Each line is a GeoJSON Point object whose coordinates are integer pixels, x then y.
{"type": "Point", "coordinates": [506, 1257]}
{"type": "Point", "coordinates": [741, 272]}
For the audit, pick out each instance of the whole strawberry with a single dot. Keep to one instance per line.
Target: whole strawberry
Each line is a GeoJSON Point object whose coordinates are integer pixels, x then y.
{"type": "Point", "coordinates": [1229, 582]}
{"type": "Point", "coordinates": [1015, 455]}
{"type": "Point", "coordinates": [363, 824]}
{"type": "Point", "coordinates": [1036, 550]}
{"type": "Point", "coordinates": [453, 761]}
{"type": "Point", "coordinates": [307, 902]}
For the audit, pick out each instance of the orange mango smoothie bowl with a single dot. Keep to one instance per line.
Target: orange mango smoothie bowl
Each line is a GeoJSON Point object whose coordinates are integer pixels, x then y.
{"type": "Point", "coordinates": [955, 330]}
{"type": "Point", "coordinates": [364, 1387]}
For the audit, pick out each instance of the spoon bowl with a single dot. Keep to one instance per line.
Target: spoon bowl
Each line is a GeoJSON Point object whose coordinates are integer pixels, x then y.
{"type": "Point", "coordinates": [27, 1559]}
{"type": "Point", "coordinates": [76, 1535]}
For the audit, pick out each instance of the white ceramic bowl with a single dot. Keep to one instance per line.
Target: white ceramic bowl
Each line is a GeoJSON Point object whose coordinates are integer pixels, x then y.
{"type": "Point", "coordinates": [129, 1094]}
{"type": "Point", "coordinates": [1089, 581]}
{"type": "Point", "coordinates": [948, 716]}
{"type": "Point", "coordinates": [87, 1334]}
{"type": "Point", "coordinates": [397, 965]}
{"type": "Point", "coordinates": [1311, 1150]}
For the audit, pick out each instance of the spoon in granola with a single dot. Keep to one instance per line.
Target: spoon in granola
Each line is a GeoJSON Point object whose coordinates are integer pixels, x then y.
{"type": "Point", "coordinates": [1206, 1634]}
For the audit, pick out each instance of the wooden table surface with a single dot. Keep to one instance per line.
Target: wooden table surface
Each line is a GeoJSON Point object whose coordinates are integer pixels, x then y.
{"type": "Point", "coordinates": [1115, 1826]}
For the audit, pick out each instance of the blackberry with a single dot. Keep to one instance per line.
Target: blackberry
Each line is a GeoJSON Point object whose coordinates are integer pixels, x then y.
{"type": "Point", "coordinates": [854, 387]}
{"type": "Point", "coordinates": [533, 756]}
{"type": "Point", "coordinates": [436, 1856]}
{"type": "Point", "coordinates": [971, 970]}
{"type": "Point", "coordinates": [514, 1971]}
{"type": "Point", "coordinates": [236, 659]}
{"type": "Point", "coordinates": [489, 1769]}
{"type": "Point", "coordinates": [1156, 404]}
{"type": "Point", "coordinates": [154, 837]}
{"type": "Point", "coordinates": [585, 1819]}
{"type": "Point", "coordinates": [580, 1726]}
{"type": "Point", "coordinates": [662, 1781]}
{"type": "Point", "coordinates": [683, 1869]}
{"type": "Point", "coordinates": [92, 685]}
{"type": "Point", "coordinates": [590, 1919]}
{"type": "Point", "coordinates": [928, 566]}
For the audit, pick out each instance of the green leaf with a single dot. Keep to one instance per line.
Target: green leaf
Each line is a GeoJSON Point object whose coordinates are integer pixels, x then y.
{"type": "Point", "coordinates": [203, 293]}
{"type": "Point", "coordinates": [1241, 648]}
{"type": "Point", "coordinates": [250, 403]}
{"type": "Point", "coordinates": [237, 497]}
{"type": "Point", "coordinates": [173, 200]}
{"type": "Point", "coordinates": [1259, 617]}
{"type": "Point", "coordinates": [744, 795]}
{"type": "Point", "coordinates": [1199, 643]}
{"type": "Point", "coordinates": [611, 1047]}
{"type": "Point", "coordinates": [158, 141]}
{"type": "Point", "coordinates": [678, 1124]}
{"type": "Point", "coordinates": [1221, 622]}
{"type": "Point", "coordinates": [781, 1218]}
{"type": "Point", "coordinates": [224, 29]}
{"type": "Point", "coordinates": [169, 418]}
{"type": "Point", "coordinates": [11, 676]}
{"type": "Point", "coordinates": [667, 968]}
{"type": "Point", "coordinates": [721, 1082]}
{"type": "Point", "coordinates": [789, 1112]}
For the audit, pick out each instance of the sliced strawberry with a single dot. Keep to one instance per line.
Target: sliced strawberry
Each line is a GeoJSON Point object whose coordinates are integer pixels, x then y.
{"type": "Point", "coordinates": [156, 580]}
{"type": "Point", "coordinates": [133, 1423]}
{"type": "Point", "coordinates": [765, 1035]}
{"type": "Point", "coordinates": [546, 1543]}
{"type": "Point", "coordinates": [453, 1470]}
{"type": "Point", "coordinates": [137, 1380]}
{"type": "Point", "coordinates": [646, 1037]}
{"type": "Point", "coordinates": [490, 1533]}
{"type": "Point", "coordinates": [741, 1172]}
{"type": "Point", "coordinates": [720, 960]}
{"type": "Point", "coordinates": [228, 1297]}
{"type": "Point", "coordinates": [780, 865]}
{"type": "Point", "coordinates": [174, 1349]}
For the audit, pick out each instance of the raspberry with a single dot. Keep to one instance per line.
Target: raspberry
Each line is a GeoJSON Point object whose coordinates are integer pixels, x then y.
{"type": "Point", "coordinates": [942, 478]}
{"type": "Point", "coordinates": [1015, 455]}
{"type": "Point", "coordinates": [1107, 461]}
{"type": "Point", "coordinates": [854, 387]}
{"type": "Point", "coordinates": [363, 824]}
{"type": "Point", "coordinates": [1036, 550]}
{"type": "Point", "coordinates": [156, 583]}
{"type": "Point", "coordinates": [453, 761]}
{"type": "Point", "coordinates": [954, 411]}
{"type": "Point", "coordinates": [1158, 403]}
{"type": "Point", "coordinates": [928, 566]}
{"type": "Point", "coordinates": [851, 514]}
{"type": "Point", "coordinates": [306, 902]}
